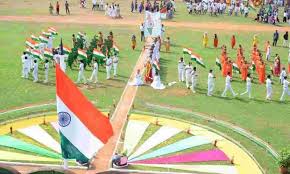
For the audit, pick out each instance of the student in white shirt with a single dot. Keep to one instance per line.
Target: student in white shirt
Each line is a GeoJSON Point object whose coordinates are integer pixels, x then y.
{"type": "Point", "coordinates": [35, 71]}
{"type": "Point", "coordinates": [248, 86]}
{"type": "Point", "coordinates": [285, 89]}
{"type": "Point", "coordinates": [46, 68]}
{"type": "Point", "coordinates": [81, 75]}
{"type": "Point", "coordinates": [228, 86]}
{"type": "Point", "coordinates": [210, 83]}
{"type": "Point", "coordinates": [94, 76]}
{"type": "Point", "coordinates": [269, 88]}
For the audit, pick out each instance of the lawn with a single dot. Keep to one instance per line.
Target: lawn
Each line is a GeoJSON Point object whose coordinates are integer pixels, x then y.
{"type": "Point", "coordinates": [18, 92]}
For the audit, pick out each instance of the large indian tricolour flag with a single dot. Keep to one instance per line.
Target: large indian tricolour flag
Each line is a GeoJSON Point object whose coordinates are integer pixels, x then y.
{"type": "Point", "coordinates": [83, 128]}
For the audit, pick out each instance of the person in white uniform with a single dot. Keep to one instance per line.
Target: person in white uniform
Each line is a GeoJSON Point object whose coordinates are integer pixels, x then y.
{"type": "Point", "coordinates": [283, 74]}
{"type": "Point", "coordinates": [285, 89]}
{"type": "Point", "coordinates": [26, 67]}
{"type": "Point", "coordinates": [137, 80]}
{"type": "Point", "coordinates": [50, 42]}
{"type": "Point", "coordinates": [180, 67]}
{"type": "Point", "coordinates": [268, 52]}
{"type": "Point", "coordinates": [228, 86]}
{"type": "Point", "coordinates": [210, 83]}
{"type": "Point", "coordinates": [193, 79]}
{"type": "Point", "coordinates": [269, 88]}
{"type": "Point", "coordinates": [35, 71]}
{"type": "Point", "coordinates": [108, 66]}
{"type": "Point", "coordinates": [46, 68]}
{"type": "Point", "coordinates": [156, 84]}
{"type": "Point", "coordinates": [248, 86]}
{"type": "Point", "coordinates": [23, 56]}
{"type": "Point", "coordinates": [94, 76]}
{"type": "Point", "coordinates": [188, 69]}
{"type": "Point", "coordinates": [81, 75]}
{"type": "Point", "coordinates": [115, 64]}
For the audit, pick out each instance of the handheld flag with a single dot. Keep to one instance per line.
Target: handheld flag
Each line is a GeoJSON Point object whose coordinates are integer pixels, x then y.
{"type": "Point", "coordinates": [187, 51]}
{"type": "Point", "coordinates": [236, 68]}
{"type": "Point", "coordinates": [83, 128]}
{"type": "Point", "coordinates": [197, 59]}
{"type": "Point", "coordinates": [218, 63]}
{"type": "Point", "coordinates": [82, 54]}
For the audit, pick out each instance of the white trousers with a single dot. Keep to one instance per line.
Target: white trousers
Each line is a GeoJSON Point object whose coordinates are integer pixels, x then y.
{"type": "Point", "coordinates": [269, 93]}
{"type": "Point", "coordinates": [94, 76]}
{"type": "Point", "coordinates": [194, 82]}
{"type": "Point", "coordinates": [285, 92]}
{"type": "Point", "coordinates": [115, 65]}
{"type": "Point", "coordinates": [26, 72]}
{"type": "Point", "coordinates": [81, 76]}
{"type": "Point", "coordinates": [46, 75]}
{"type": "Point", "coordinates": [228, 87]}
{"type": "Point", "coordinates": [248, 91]}
{"type": "Point", "coordinates": [108, 70]}
{"type": "Point", "coordinates": [210, 88]}
{"type": "Point", "coordinates": [35, 76]}
{"type": "Point", "coordinates": [187, 80]}
{"type": "Point", "coordinates": [181, 75]}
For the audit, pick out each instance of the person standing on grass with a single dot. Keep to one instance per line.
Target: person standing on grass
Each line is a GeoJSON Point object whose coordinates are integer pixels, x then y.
{"type": "Point", "coordinates": [269, 88]}
{"type": "Point", "coordinates": [285, 89]}
{"type": "Point", "coordinates": [167, 44]}
{"type": "Point", "coordinates": [180, 68]}
{"type": "Point", "coordinates": [81, 75]}
{"type": "Point", "coordinates": [57, 8]}
{"type": "Point", "coordinates": [283, 74]}
{"type": "Point", "coordinates": [233, 41]}
{"type": "Point", "coordinates": [50, 9]}
{"type": "Point", "coordinates": [108, 66]}
{"type": "Point", "coordinates": [115, 64]}
{"type": "Point", "coordinates": [210, 83]}
{"type": "Point", "coordinates": [193, 79]}
{"type": "Point", "coordinates": [133, 42]}
{"type": "Point", "coordinates": [188, 69]}
{"type": "Point", "coordinates": [94, 2]}
{"type": "Point", "coordinates": [205, 40]}
{"type": "Point", "coordinates": [67, 8]}
{"type": "Point", "coordinates": [94, 76]}
{"type": "Point", "coordinates": [248, 86]}
{"type": "Point", "coordinates": [228, 86]}
{"type": "Point", "coordinates": [46, 68]}
{"type": "Point", "coordinates": [215, 41]}
{"type": "Point", "coordinates": [285, 41]}
{"type": "Point", "coordinates": [35, 71]}
{"type": "Point", "coordinates": [275, 38]}
{"type": "Point", "coordinates": [142, 32]}
{"type": "Point", "coordinates": [268, 50]}
{"type": "Point", "coordinates": [132, 7]}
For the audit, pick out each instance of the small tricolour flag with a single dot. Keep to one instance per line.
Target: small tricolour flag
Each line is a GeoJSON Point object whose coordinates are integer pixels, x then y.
{"type": "Point", "coordinates": [46, 33]}
{"type": "Point", "coordinates": [197, 59]}
{"type": "Point", "coordinates": [66, 49]}
{"type": "Point", "coordinates": [236, 68]}
{"type": "Point", "coordinates": [115, 48]}
{"type": "Point", "coordinates": [82, 54]}
{"type": "Point", "coordinates": [156, 65]}
{"type": "Point", "coordinates": [52, 30]}
{"type": "Point", "coordinates": [36, 54]}
{"type": "Point", "coordinates": [80, 34]}
{"type": "Point", "coordinates": [48, 53]}
{"type": "Point", "coordinates": [31, 43]}
{"type": "Point", "coordinates": [43, 39]}
{"type": "Point", "coordinates": [83, 128]}
{"type": "Point", "coordinates": [253, 67]}
{"type": "Point", "coordinates": [98, 54]}
{"type": "Point", "coordinates": [35, 38]}
{"type": "Point", "coordinates": [28, 51]}
{"type": "Point", "coordinates": [218, 63]}
{"type": "Point", "coordinates": [187, 51]}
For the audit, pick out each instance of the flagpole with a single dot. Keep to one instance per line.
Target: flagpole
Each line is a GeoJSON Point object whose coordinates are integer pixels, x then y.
{"type": "Point", "coordinates": [65, 164]}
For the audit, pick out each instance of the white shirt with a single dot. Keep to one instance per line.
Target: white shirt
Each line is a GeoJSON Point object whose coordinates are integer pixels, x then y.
{"type": "Point", "coordinates": [193, 75]}
{"type": "Point", "coordinates": [81, 68]}
{"type": "Point", "coordinates": [228, 80]}
{"type": "Point", "coordinates": [26, 63]}
{"type": "Point", "coordinates": [188, 69]}
{"type": "Point", "coordinates": [283, 74]}
{"type": "Point", "coordinates": [35, 67]}
{"type": "Point", "coordinates": [268, 83]}
{"type": "Point", "coordinates": [249, 81]}
{"type": "Point", "coordinates": [181, 65]}
{"type": "Point", "coordinates": [96, 66]}
{"type": "Point", "coordinates": [115, 60]}
{"type": "Point", "coordinates": [141, 27]}
{"type": "Point", "coordinates": [108, 61]}
{"type": "Point", "coordinates": [285, 84]}
{"type": "Point", "coordinates": [210, 78]}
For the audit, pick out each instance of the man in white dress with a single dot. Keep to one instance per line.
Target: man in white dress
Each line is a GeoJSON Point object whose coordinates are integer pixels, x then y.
{"type": "Point", "coordinates": [115, 64]}
{"type": "Point", "coordinates": [26, 67]}
{"type": "Point", "coordinates": [283, 74]}
{"type": "Point", "coordinates": [137, 80]}
{"type": "Point", "coordinates": [210, 83]}
{"type": "Point", "coordinates": [193, 79]}
{"type": "Point", "coordinates": [94, 76]}
{"type": "Point", "coordinates": [23, 56]}
{"type": "Point", "coordinates": [269, 88]}
{"type": "Point", "coordinates": [188, 69]}
{"type": "Point", "coordinates": [50, 42]}
{"type": "Point", "coordinates": [108, 66]}
{"type": "Point", "coordinates": [35, 71]}
{"type": "Point", "coordinates": [285, 88]}
{"type": "Point", "coordinates": [228, 86]}
{"type": "Point", "coordinates": [248, 86]}
{"type": "Point", "coordinates": [81, 75]}
{"type": "Point", "coordinates": [180, 67]}
{"type": "Point", "coordinates": [46, 68]}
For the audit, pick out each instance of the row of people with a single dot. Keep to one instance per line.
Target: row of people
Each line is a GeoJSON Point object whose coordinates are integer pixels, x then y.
{"type": "Point", "coordinates": [113, 11]}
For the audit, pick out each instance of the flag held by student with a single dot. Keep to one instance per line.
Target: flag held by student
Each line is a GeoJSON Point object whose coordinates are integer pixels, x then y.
{"type": "Point", "coordinates": [83, 128]}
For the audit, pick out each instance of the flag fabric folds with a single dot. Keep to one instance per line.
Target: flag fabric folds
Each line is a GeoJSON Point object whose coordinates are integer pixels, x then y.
{"type": "Point", "coordinates": [83, 128]}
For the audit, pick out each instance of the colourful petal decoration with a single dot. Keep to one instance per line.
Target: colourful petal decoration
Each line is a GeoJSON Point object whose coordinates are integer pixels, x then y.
{"type": "Point", "coordinates": [13, 156]}
{"type": "Point", "coordinates": [55, 126]}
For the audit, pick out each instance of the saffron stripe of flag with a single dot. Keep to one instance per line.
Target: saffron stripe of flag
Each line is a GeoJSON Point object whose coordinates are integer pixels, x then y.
{"type": "Point", "coordinates": [187, 51]}
{"type": "Point", "coordinates": [35, 38]}
{"type": "Point", "coordinates": [52, 30]}
{"type": "Point", "coordinates": [236, 68]}
{"type": "Point", "coordinates": [31, 43]}
{"type": "Point", "coordinates": [218, 63]}
{"type": "Point", "coordinates": [98, 54]}
{"type": "Point", "coordinates": [83, 128]}
{"type": "Point", "coordinates": [82, 54]}
{"type": "Point", "coordinates": [43, 39]}
{"type": "Point", "coordinates": [48, 53]}
{"type": "Point", "coordinates": [197, 59]}
{"type": "Point", "coordinates": [36, 54]}
{"type": "Point", "coordinates": [66, 49]}
{"type": "Point", "coordinates": [46, 33]}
